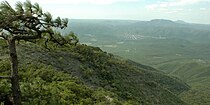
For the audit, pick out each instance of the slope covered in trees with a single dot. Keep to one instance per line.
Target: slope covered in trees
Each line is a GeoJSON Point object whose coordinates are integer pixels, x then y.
{"type": "Point", "coordinates": [175, 47]}
{"type": "Point", "coordinates": [56, 70]}
{"type": "Point", "coordinates": [86, 75]}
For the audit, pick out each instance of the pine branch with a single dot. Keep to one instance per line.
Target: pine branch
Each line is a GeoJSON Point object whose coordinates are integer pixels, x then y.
{"type": "Point", "coordinates": [26, 37]}
{"type": "Point", "coordinates": [3, 35]}
{"type": "Point", "coordinates": [5, 77]}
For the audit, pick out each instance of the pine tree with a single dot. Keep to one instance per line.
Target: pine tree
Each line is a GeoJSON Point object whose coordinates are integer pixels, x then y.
{"type": "Point", "coordinates": [26, 22]}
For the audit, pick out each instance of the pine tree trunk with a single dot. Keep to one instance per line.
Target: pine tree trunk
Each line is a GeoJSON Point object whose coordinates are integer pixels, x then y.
{"type": "Point", "coordinates": [14, 72]}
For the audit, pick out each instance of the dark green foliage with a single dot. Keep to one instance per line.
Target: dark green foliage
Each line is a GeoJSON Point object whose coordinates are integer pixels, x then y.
{"type": "Point", "coordinates": [198, 95]}
{"type": "Point", "coordinates": [44, 85]}
{"type": "Point", "coordinates": [89, 75]}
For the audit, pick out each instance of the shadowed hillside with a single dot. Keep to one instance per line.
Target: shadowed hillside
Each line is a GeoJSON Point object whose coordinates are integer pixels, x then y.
{"type": "Point", "coordinates": [83, 74]}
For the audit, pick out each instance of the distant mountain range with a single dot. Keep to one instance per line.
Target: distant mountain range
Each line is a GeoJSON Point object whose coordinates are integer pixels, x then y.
{"type": "Point", "coordinates": [178, 48]}
{"type": "Point", "coordinates": [157, 27]}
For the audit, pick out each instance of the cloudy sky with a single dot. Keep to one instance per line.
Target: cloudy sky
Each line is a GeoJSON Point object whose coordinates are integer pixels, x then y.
{"type": "Point", "coordinates": [194, 11]}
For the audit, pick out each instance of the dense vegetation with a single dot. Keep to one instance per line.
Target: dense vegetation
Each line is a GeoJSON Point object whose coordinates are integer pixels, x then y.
{"type": "Point", "coordinates": [86, 75]}
{"type": "Point", "coordinates": [26, 21]}
{"type": "Point", "coordinates": [55, 69]}
{"type": "Point", "coordinates": [177, 48]}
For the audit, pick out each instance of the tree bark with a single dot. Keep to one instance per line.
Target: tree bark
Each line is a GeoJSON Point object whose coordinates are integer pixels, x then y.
{"type": "Point", "coordinates": [14, 72]}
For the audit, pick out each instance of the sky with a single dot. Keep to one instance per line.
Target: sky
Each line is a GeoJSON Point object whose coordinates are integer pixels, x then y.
{"type": "Point", "coordinates": [193, 11]}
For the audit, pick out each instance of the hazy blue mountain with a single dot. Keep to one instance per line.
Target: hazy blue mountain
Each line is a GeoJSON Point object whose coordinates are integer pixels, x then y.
{"type": "Point", "coordinates": [181, 22]}
{"type": "Point", "coordinates": [155, 28]}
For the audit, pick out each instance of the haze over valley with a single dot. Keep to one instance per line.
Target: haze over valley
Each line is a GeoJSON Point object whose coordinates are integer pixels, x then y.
{"type": "Point", "coordinates": [177, 48]}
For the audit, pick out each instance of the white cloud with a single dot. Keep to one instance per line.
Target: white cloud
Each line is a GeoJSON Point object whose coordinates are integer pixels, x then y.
{"type": "Point", "coordinates": [173, 3]}
{"type": "Point", "coordinates": [152, 6]}
{"type": "Point", "coordinates": [170, 11]}
{"type": "Point", "coordinates": [101, 2]}
{"type": "Point", "coordinates": [203, 9]}
{"type": "Point", "coordinates": [83, 1]}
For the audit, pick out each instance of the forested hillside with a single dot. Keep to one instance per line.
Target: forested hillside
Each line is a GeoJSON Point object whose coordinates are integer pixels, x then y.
{"type": "Point", "coordinates": [177, 48]}
{"type": "Point", "coordinates": [117, 62]}
{"type": "Point", "coordinates": [86, 75]}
